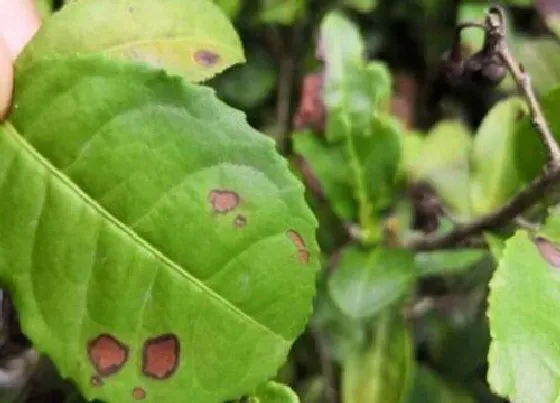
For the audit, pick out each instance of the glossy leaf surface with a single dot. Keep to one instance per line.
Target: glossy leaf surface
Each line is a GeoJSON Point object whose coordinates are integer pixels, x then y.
{"type": "Point", "coordinates": [155, 240]}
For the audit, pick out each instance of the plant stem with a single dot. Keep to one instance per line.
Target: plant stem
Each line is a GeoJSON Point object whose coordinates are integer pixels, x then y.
{"type": "Point", "coordinates": [495, 25]}
{"type": "Point", "coordinates": [497, 219]}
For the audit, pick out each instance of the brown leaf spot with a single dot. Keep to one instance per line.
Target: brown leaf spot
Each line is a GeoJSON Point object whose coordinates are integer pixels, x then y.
{"type": "Point", "coordinates": [240, 221]}
{"type": "Point", "coordinates": [299, 243]}
{"type": "Point", "coordinates": [161, 356]}
{"type": "Point", "coordinates": [96, 381]}
{"type": "Point", "coordinates": [548, 251]}
{"type": "Point", "coordinates": [107, 354]}
{"type": "Point", "coordinates": [206, 58]}
{"type": "Point", "coordinates": [138, 393]}
{"type": "Point", "coordinates": [223, 201]}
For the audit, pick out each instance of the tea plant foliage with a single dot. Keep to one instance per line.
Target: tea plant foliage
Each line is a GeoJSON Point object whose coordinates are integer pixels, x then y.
{"type": "Point", "coordinates": [157, 247]}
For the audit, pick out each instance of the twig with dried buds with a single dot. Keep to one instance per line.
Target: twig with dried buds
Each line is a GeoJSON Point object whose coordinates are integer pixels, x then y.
{"type": "Point", "coordinates": [496, 46]}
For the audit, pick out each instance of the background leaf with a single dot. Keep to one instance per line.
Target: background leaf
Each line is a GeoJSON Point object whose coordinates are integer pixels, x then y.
{"type": "Point", "coordinates": [273, 392]}
{"type": "Point", "coordinates": [367, 282]}
{"type": "Point", "coordinates": [443, 162]}
{"type": "Point", "coordinates": [154, 32]}
{"type": "Point", "coordinates": [428, 387]}
{"type": "Point", "coordinates": [524, 304]}
{"type": "Point", "coordinates": [446, 262]}
{"type": "Point", "coordinates": [382, 373]}
{"type": "Point", "coordinates": [283, 12]}
{"type": "Point", "coordinates": [529, 152]}
{"type": "Point", "coordinates": [161, 213]}
{"type": "Point", "coordinates": [493, 174]}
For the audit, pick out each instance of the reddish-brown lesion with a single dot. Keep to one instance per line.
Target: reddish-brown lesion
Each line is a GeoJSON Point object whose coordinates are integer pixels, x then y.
{"type": "Point", "coordinates": [240, 221]}
{"type": "Point", "coordinates": [138, 393]}
{"type": "Point", "coordinates": [161, 356]}
{"type": "Point", "coordinates": [107, 354]}
{"type": "Point", "coordinates": [548, 251]}
{"type": "Point", "coordinates": [223, 201]}
{"type": "Point", "coordinates": [299, 243]}
{"type": "Point", "coordinates": [206, 58]}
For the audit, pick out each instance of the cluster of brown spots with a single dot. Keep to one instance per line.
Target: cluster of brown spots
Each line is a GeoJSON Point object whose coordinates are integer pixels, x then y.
{"type": "Point", "coordinates": [223, 201]}
{"type": "Point", "coordinates": [240, 221]}
{"type": "Point", "coordinates": [548, 251]}
{"type": "Point", "coordinates": [206, 58]}
{"type": "Point", "coordinates": [138, 393]}
{"type": "Point", "coordinates": [96, 381]}
{"type": "Point", "coordinates": [161, 356]}
{"type": "Point", "coordinates": [299, 243]}
{"type": "Point", "coordinates": [107, 354]}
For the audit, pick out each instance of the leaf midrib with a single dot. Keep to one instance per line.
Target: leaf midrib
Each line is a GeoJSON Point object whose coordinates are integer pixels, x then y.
{"type": "Point", "coordinates": [170, 264]}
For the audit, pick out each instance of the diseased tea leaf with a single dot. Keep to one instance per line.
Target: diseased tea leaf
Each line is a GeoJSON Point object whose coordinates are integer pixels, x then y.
{"type": "Point", "coordinates": [157, 247]}
{"type": "Point", "coordinates": [173, 34]}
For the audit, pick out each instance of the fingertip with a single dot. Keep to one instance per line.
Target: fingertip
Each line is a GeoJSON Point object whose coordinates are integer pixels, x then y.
{"type": "Point", "coordinates": [6, 78]}
{"type": "Point", "coordinates": [19, 21]}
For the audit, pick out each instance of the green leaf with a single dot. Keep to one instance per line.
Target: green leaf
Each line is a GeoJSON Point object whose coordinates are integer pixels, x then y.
{"type": "Point", "coordinates": [141, 206]}
{"type": "Point", "coordinates": [493, 175]}
{"type": "Point", "coordinates": [342, 334]}
{"type": "Point", "coordinates": [330, 166]}
{"type": "Point", "coordinates": [283, 12]}
{"type": "Point", "coordinates": [364, 6]}
{"type": "Point", "coordinates": [248, 85]}
{"type": "Point", "coordinates": [443, 162]}
{"type": "Point", "coordinates": [541, 59]}
{"type": "Point", "coordinates": [383, 372]}
{"type": "Point", "coordinates": [44, 8]}
{"type": "Point", "coordinates": [363, 140]}
{"type": "Point", "coordinates": [367, 282]}
{"type": "Point", "coordinates": [273, 392]}
{"type": "Point", "coordinates": [446, 262]}
{"type": "Point", "coordinates": [529, 152]}
{"type": "Point", "coordinates": [428, 387]}
{"type": "Point", "coordinates": [230, 7]}
{"type": "Point", "coordinates": [496, 244]}
{"type": "Point", "coordinates": [193, 38]}
{"type": "Point", "coordinates": [472, 12]}
{"type": "Point", "coordinates": [524, 306]}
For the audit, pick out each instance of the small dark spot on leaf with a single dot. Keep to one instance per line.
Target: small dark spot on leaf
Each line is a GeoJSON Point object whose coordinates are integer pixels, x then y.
{"type": "Point", "coordinates": [223, 201]}
{"type": "Point", "coordinates": [138, 393]}
{"type": "Point", "coordinates": [299, 243]}
{"type": "Point", "coordinates": [240, 221]}
{"type": "Point", "coordinates": [131, 10]}
{"type": "Point", "coordinates": [548, 251]}
{"type": "Point", "coordinates": [107, 354]}
{"type": "Point", "coordinates": [520, 114]}
{"type": "Point", "coordinates": [96, 381]}
{"type": "Point", "coordinates": [522, 68]}
{"type": "Point", "coordinates": [161, 356]}
{"type": "Point", "coordinates": [206, 58]}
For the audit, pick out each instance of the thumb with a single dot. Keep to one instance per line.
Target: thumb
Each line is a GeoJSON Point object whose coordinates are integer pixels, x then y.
{"type": "Point", "coordinates": [6, 78]}
{"type": "Point", "coordinates": [19, 21]}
